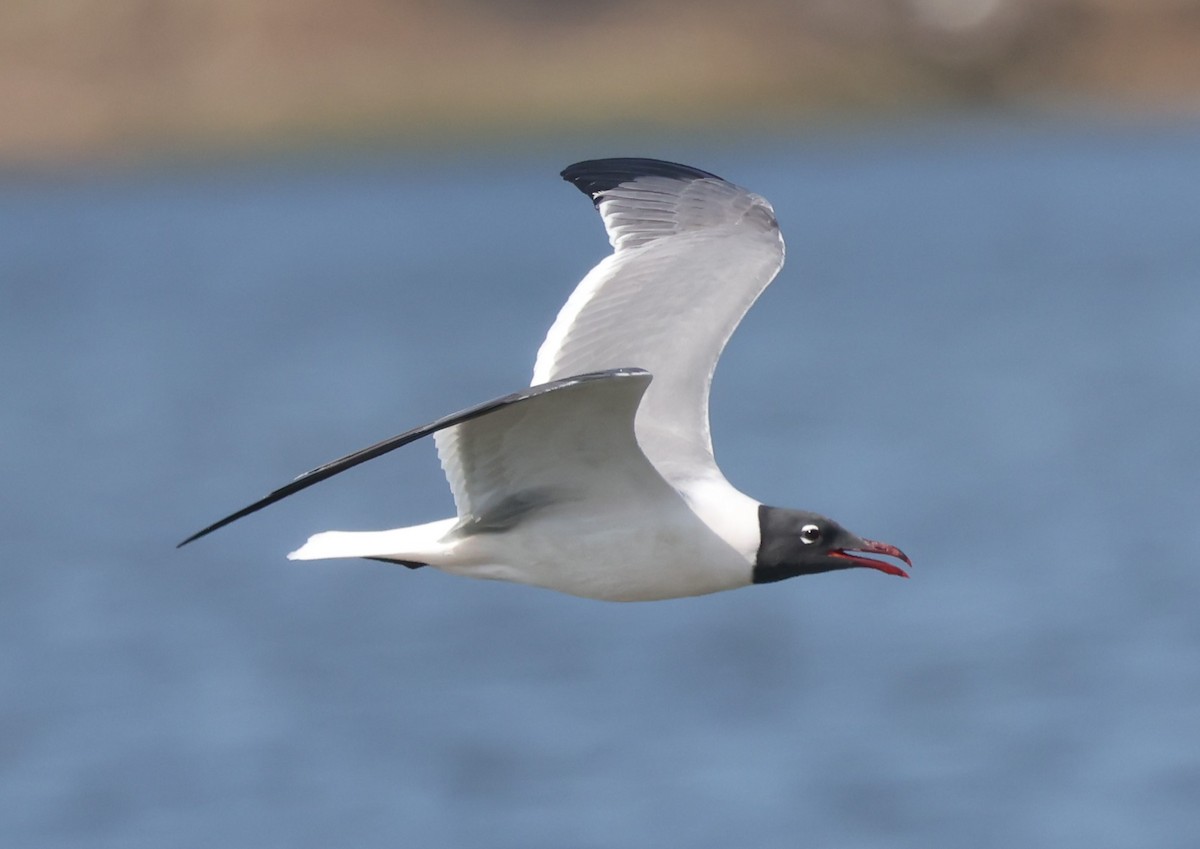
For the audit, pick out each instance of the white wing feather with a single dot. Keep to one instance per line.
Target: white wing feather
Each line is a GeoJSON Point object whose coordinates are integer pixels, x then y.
{"type": "Point", "coordinates": [576, 443]}
{"type": "Point", "coordinates": [691, 256]}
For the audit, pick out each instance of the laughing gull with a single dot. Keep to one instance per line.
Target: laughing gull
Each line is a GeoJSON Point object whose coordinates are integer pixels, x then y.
{"type": "Point", "coordinates": [599, 480]}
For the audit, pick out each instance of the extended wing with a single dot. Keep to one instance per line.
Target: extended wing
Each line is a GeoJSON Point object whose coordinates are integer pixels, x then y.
{"type": "Point", "coordinates": [480, 473]}
{"type": "Point", "coordinates": [692, 252]}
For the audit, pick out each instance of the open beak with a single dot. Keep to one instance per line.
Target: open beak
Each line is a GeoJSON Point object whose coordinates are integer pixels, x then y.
{"type": "Point", "coordinates": [868, 546]}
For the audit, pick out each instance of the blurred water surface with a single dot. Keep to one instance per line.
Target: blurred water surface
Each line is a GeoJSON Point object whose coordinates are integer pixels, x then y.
{"type": "Point", "coordinates": [983, 348]}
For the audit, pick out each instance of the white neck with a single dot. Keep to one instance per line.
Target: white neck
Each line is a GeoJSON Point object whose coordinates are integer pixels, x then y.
{"type": "Point", "coordinates": [731, 514]}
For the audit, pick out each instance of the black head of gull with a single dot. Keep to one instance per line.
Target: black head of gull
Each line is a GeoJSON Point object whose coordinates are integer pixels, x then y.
{"type": "Point", "coordinates": [797, 542]}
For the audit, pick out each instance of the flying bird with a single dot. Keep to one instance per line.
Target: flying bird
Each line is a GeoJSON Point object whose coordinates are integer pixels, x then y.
{"type": "Point", "coordinates": [599, 479]}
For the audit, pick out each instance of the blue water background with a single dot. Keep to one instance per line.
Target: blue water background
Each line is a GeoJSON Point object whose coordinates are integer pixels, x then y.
{"type": "Point", "coordinates": [984, 348]}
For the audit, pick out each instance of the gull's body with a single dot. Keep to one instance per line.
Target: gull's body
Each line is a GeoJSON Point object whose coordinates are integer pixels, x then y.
{"type": "Point", "coordinates": [599, 480]}
{"type": "Point", "coordinates": [573, 514]}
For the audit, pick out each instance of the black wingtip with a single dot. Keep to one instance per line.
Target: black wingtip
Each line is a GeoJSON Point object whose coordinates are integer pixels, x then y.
{"type": "Point", "coordinates": [193, 537]}
{"type": "Point", "coordinates": [216, 526]}
{"type": "Point", "coordinates": [594, 176]}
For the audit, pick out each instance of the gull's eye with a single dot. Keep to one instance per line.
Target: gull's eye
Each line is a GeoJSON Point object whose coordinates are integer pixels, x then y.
{"type": "Point", "coordinates": [810, 534]}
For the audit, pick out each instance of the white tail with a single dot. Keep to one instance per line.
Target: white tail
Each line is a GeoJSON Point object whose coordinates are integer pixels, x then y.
{"type": "Point", "coordinates": [419, 543]}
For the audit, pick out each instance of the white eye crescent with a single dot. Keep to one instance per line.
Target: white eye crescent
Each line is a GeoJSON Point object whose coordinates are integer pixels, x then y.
{"type": "Point", "coordinates": [810, 534]}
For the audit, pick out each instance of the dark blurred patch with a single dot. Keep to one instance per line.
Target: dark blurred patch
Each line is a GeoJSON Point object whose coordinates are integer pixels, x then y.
{"type": "Point", "coordinates": [131, 77]}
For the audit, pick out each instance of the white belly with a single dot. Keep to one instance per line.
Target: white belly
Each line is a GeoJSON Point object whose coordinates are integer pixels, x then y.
{"type": "Point", "coordinates": [616, 556]}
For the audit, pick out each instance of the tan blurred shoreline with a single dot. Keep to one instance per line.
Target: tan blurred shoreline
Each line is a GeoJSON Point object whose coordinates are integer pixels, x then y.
{"type": "Point", "coordinates": [82, 80]}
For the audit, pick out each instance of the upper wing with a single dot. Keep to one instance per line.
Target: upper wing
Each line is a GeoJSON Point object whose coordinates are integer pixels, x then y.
{"type": "Point", "coordinates": [691, 254]}
{"type": "Point", "coordinates": [509, 424]}
{"type": "Point", "coordinates": [575, 444]}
